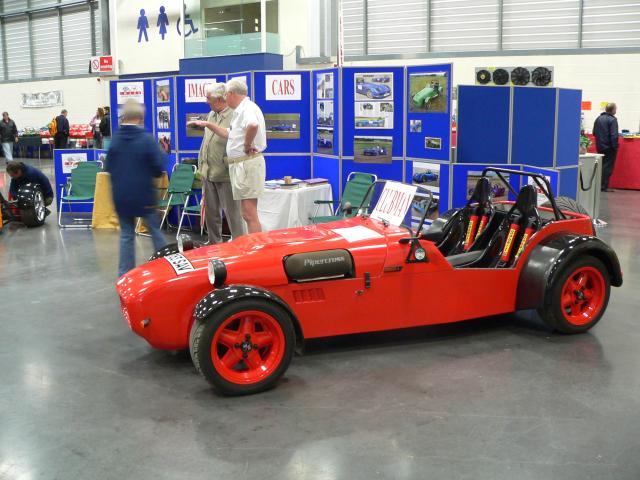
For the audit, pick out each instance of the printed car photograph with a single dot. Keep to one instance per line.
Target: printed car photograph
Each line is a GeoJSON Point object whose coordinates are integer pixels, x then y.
{"type": "Point", "coordinates": [192, 130]}
{"type": "Point", "coordinates": [428, 92]}
{"type": "Point", "coordinates": [325, 140]}
{"type": "Point", "coordinates": [433, 143]}
{"type": "Point", "coordinates": [324, 113]}
{"type": "Point", "coordinates": [282, 125]}
{"type": "Point", "coordinates": [370, 115]}
{"type": "Point", "coordinates": [243, 308]}
{"type": "Point", "coordinates": [419, 206]}
{"type": "Point", "coordinates": [370, 86]}
{"type": "Point", "coordinates": [497, 188]}
{"type": "Point", "coordinates": [324, 85]}
{"type": "Point", "coordinates": [372, 149]}
{"type": "Point", "coordinates": [426, 175]}
{"type": "Point", "coordinates": [415, 126]}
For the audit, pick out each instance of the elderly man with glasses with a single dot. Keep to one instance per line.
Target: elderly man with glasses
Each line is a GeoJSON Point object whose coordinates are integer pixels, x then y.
{"type": "Point", "coordinates": [214, 169]}
{"type": "Point", "coordinates": [247, 140]}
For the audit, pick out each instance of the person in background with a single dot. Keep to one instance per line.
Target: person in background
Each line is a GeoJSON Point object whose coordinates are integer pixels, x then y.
{"type": "Point", "coordinates": [246, 141]}
{"type": "Point", "coordinates": [105, 127]}
{"type": "Point", "coordinates": [8, 135]}
{"type": "Point", "coordinates": [61, 138]}
{"type": "Point", "coordinates": [95, 128]}
{"type": "Point", "coordinates": [21, 174]}
{"type": "Point", "coordinates": [605, 129]}
{"type": "Point", "coordinates": [134, 159]}
{"type": "Point", "coordinates": [215, 171]}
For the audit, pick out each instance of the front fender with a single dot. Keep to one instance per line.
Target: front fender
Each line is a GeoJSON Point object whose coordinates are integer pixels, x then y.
{"type": "Point", "coordinates": [218, 298]}
{"type": "Point", "coordinates": [547, 260]}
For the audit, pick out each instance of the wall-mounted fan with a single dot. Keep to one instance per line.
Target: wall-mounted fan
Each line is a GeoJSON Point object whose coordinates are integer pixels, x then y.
{"type": "Point", "coordinates": [483, 77]}
{"type": "Point", "coordinates": [520, 76]}
{"type": "Point", "coordinates": [500, 76]}
{"type": "Point", "coordinates": [541, 77]}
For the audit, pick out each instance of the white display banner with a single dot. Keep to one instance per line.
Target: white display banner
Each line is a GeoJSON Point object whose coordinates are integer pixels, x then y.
{"type": "Point", "coordinates": [283, 87]}
{"type": "Point", "coordinates": [70, 160]}
{"type": "Point", "coordinates": [394, 203]}
{"type": "Point", "coordinates": [41, 100]}
{"type": "Point", "coordinates": [130, 91]}
{"type": "Point", "coordinates": [194, 89]}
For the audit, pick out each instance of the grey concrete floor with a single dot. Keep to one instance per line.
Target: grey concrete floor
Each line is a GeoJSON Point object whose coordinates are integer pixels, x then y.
{"type": "Point", "coordinates": [81, 397]}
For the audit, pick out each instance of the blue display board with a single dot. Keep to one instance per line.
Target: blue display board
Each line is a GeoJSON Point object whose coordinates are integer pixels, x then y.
{"type": "Point", "coordinates": [326, 111]}
{"type": "Point", "coordinates": [534, 122]}
{"type": "Point", "coordinates": [285, 100]}
{"type": "Point", "coordinates": [569, 106]}
{"type": "Point", "coordinates": [164, 113]}
{"type": "Point", "coordinates": [465, 177]}
{"type": "Point", "coordinates": [552, 175]}
{"type": "Point", "coordinates": [368, 93]}
{"type": "Point", "coordinates": [140, 90]}
{"type": "Point", "coordinates": [433, 176]}
{"type": "Point", "coordinates": [191, 102]}
{"type": "Point", "coordinates": [329, 168]}
{"type": "Point", "coordinates": [63, 162]}
{"type": "Point", "coordinates": [428, 125]}
{"type": "Point", "coordinates": [483, 124]}
{"type": "Point", "coordinates": [386, 171]}
{"type": "Point", "coordinates": [568, 183]}
{"type": "Point", "coordinates": [279, 166]}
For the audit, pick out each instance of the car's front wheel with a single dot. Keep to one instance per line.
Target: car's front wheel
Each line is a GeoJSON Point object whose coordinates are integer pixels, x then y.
{"type": "Point", "coordinates": [34, 216]}
{"type": "Point", "coordinates": [244, 347]}
{"type": "Point", "coordinates": [369, 94]}
{"type": "Point", "coordinates": [578, 296]}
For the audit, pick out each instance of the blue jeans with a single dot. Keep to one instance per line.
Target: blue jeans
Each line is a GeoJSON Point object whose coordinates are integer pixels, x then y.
{"type": "Point", "coordinates": [127, 237]}
{"type": "Point", "coordinates": [7, 148]}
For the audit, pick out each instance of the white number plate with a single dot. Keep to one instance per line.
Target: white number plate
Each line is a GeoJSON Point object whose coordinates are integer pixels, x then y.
{"type": "Point", "coordinates": [179, 263]}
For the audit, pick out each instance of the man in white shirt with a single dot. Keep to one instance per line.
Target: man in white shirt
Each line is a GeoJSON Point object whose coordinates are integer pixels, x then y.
{"type": "Point", "coordinates": [247, 140]}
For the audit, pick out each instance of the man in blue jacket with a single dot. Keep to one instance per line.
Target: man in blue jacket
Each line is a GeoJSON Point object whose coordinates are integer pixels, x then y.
{"type": "Point", "coordinates": [21, 174]}
{"type": "Point", "coordinates": [134, 159]}
{"type": "Point", "coordinates": [605, 129]}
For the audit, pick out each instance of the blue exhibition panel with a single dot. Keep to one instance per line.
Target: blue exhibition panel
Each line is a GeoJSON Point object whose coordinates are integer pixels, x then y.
{"type": "Point", "coordinates": [326, 125]}
{"type": "Point", "coordinates": [568, 184]}
{"type": "Point", "coordinates": [483, 124]}
{"type": "Point", "coordinates": [534, 122]}
{"type": "Point", "coordinates": [569, 106]}
{"type": "Point", "coordinates": [551, 174]}
{"type": "Point", "coordinates": [190, 101]}
{"type": "Point", "coordinates": [279, 166]}
{"type": "Point", "coordinates": [329, 168]}
{"type": "Point", "coordinates": [384, 171]}
{"type": "Point", "coordinates": [247, 77]}
{"type": "Point", "coordinates": [464, 176]}
{"type": "Point", "coordinates": [444, 172]}
{"type": "Point", "coordinates": [429, 119]}
{"type": "Point", "coordinates": [350, 97]}
{"type": "Point", "coordinates": [63, 162]}
{"type": "Point", "coordinates": [137, 89]}
{"type": "Point", "coordinates": [279, 93]}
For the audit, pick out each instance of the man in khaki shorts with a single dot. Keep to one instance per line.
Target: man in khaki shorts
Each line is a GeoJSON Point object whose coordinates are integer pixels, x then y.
{"type": "Point", "coordinates": [213, 167]}
{"type": "Point", "coordinates": [247, 140]}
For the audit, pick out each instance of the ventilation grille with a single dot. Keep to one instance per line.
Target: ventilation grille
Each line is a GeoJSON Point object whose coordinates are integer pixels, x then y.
{"type": "Point", "coordinates": [309, 295]}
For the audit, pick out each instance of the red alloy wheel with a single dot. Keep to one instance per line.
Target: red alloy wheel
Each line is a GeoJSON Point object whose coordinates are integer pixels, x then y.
{"type": "Point", "coordinates": [248, 347]}
{"type": "Point", "coordinates": [583, 295]}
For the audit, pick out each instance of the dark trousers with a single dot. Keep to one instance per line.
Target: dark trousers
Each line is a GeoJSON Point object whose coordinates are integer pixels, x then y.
{"type": "Point", "coordinates": [61, 140]}
{"type": "Point", "coordinates": [608, 162]}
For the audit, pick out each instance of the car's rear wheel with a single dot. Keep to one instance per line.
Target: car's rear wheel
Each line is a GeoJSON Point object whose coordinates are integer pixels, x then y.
{"type": "Point", "coordinates": [568, 205]}
{"type": "Point", "coordinates": [244, 347]}
{"type": "Point", "coordinates": [35, 215]}
{"type": "Point", "coordinates": [369, 94]}
{"type": "Point", "coordinates": [578, 297]}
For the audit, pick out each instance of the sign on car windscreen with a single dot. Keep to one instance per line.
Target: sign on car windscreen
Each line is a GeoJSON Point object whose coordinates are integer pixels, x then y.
{"type": "Point", "coordinates": [394, 203]}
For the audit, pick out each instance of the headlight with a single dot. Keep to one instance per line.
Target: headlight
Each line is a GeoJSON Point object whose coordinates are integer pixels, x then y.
{"type": "Point", "coordinates": [184, 243]}
{"type": "Point", "coordinates": [217, 272]}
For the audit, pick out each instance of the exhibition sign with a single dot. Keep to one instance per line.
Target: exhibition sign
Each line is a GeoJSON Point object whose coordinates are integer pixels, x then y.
{"type": "Point", "coordinates": [71, 160]}
{"type": "Point", "coordinates": [130, 91]}
{"type": "Point", "coordinates": [41, 100]}
{"type": "Point", "coordinates": [283, 87]}
{"type": "Point", "coordinates": [394, 203]}
{"type": "Point", "coordinates": [195, 89]}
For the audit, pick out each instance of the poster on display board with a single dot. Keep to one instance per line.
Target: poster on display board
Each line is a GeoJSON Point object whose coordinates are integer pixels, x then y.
{"type": "Point", "coordinates": [374, 86]}
{"type": "Point", "coordinates": [369, 149]}
{"type": "Point", "coordinates": [426, 175]}
{"type": "Point", "coordinates": [130, 91]}
{"type": "Point", "coordinates": [163, 91]}
{"type": "Point", "coordinates": [428, 92]}
{"type": "Point", "coordinates": [195, 89]}
{"type": "Point", "coordinates": [325, 95]}
{"type": "Point", "coordinates": [324, 86]}
{"type": "Point", "coordinates": [374, 115]}
{"type": "Point", "coordinates": [283, 87]}
{"type": "Point", "coordinates": [163, 118]}
{"type": "Point", "coordinates": [71, 160]}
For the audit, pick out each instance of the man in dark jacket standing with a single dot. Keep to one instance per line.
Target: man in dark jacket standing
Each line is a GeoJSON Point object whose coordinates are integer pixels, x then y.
{"type": "Point", "coordinates": [134, 159]}
{"type": "Point", "coordinates": [8, 135]}
{"type": "Point", "coordinates": [605, 129]}
{"type": "Point", "coordinates": [21, 174]}
{"type": "Point", "coordinates": [61, 138]}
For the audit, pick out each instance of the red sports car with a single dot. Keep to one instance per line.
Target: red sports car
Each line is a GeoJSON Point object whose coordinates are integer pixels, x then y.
{"type": "Point", "coordinates": [242, 307]}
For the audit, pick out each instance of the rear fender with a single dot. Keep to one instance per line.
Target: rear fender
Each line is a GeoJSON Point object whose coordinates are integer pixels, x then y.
{"type": "Point", "coordinates": [547, 260]}
{"type": "Point", "coordinates": [218, 298]}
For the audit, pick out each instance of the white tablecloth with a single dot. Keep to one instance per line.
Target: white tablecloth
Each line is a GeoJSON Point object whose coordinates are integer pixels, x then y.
{"type": "Point", "coordinates": [291, 207]}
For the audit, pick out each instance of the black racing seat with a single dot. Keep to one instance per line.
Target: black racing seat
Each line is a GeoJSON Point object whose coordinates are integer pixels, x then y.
{"type": "Point", "coordinates": [515, 228]}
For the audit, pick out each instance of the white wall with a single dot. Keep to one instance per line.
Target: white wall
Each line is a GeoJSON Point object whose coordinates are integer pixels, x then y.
{"type": "Point", "coordinates": [293, 28]}
{"type": "Point", "coordinates": [82, 97]}
{"type": "Point", "coordinates": [602, 78]}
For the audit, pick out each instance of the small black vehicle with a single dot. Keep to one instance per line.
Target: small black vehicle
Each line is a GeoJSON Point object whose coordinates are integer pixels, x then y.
{"type": "Point", "coordinates": [28, 207]}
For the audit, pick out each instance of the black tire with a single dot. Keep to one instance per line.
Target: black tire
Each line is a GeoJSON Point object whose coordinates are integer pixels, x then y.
{"type": "Point", "coordinates": [202, 335]}
{"type": "Point", "coordinates": [369, 94]}
{"type": "Point", "coordinates": [34, 216]}
{"type": "Point", "coordinates": [568, 204]}
{"type": "Point", "coordinates": [553, 313]}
